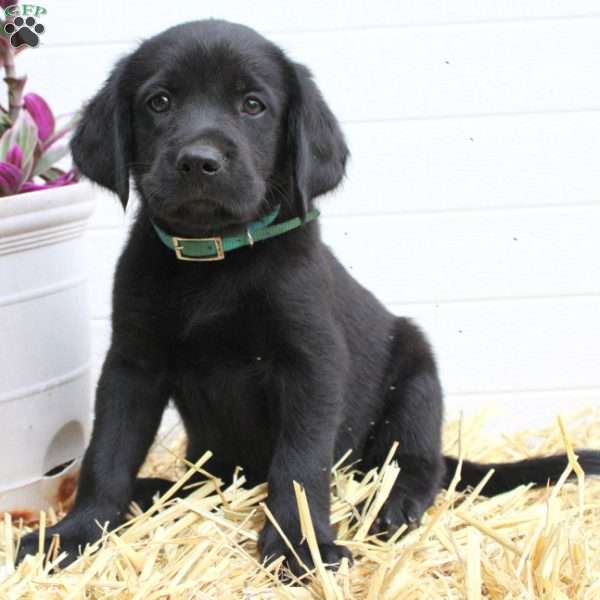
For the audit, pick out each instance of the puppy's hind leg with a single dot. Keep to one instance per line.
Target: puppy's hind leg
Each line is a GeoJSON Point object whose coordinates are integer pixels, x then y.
{"type": "Point", "coordinates": [412, 416]}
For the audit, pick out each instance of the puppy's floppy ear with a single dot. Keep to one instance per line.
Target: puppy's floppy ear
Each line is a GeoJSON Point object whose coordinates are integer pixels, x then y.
{"type": "Point", "coordinates": [101, 145]}
{"type": "Point", "coordinates": [316, 142]}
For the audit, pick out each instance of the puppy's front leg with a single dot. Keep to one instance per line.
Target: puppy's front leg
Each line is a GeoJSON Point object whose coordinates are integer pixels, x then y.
{"type": "Point", "coordinates": [130, 400]}
{"type": "Point", "coordinates": [308, 414]}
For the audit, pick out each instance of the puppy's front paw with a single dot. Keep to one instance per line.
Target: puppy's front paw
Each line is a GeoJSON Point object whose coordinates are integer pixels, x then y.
{"type": "Point", "coordinates": [75, 532]}
{"type": "Point", "coordinates": [71, 544]}
{"type": "Point", "coordinates": [272, 547]}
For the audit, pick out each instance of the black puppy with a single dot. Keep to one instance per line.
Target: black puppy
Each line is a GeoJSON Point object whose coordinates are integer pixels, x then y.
{"type": "Point", "coordinates": [276, 358]}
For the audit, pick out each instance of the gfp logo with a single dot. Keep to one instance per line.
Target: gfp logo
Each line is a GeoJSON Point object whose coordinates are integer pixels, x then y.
{"type": "Point", "coordinates": [24, 29]}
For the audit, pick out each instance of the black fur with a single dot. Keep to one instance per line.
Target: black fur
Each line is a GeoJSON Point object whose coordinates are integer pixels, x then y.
{"type": "Point", "coordinates": [539, 471]}
{"type": "Point", "coordinates": [275, 357]}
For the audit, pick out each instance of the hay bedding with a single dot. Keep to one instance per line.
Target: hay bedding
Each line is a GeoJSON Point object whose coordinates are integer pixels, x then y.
{"type": "Point", "coordinates": [523, 544]}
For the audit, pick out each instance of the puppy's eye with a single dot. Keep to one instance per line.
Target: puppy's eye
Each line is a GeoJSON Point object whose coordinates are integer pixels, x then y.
{"type": "Point", "coordinates": [252, 106]}
{"type": "Point", "coordinates": [160, 102]}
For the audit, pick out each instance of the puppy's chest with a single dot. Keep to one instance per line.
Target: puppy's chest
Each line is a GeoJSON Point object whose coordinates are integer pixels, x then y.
{"type": "Point", "coordinates": [222, 368]}
{"type": "Point", "coordinates": [226, 341]}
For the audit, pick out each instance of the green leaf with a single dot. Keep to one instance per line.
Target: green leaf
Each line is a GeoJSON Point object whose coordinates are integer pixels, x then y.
{"type": "Point", "coordinates": [52, 173]}
{"type": "Point", "coordinates": [5, 143]}
{"type": "Point", "coordinates": [64, 124]}
{"type": "Point", "coordinates": [26, 134]}
{"type": "Point", "coordinates": [50, 156]}
{"type": "Point", "coordinates": [23, 133]}
{"type": "Point", "coordinates": [5, 121]}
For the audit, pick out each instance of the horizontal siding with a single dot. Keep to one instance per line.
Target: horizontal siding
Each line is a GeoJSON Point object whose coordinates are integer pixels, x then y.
{"type": "Point", "coordinates": [516, 410]}
{"type": "Point", "coordinates": [140, 18]}
{"type": "Point", "coordinates": [424, 72]}
{"type": "Point", "coordinates": [471, 163]}
{"type": "Point", "coordinates": [456, 71]}
{"type": "Point", "coordinates": [104, 248]}
{"type": "Point", "coordinates": [101, 332]}
{"type": "Point", "coordinates": [472, 255]}
{"type": "Point", "coordinates": [513, 345]}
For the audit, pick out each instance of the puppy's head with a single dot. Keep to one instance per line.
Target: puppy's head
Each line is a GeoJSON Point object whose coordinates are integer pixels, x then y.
{"type": "Point", "coordinates": [216, 126]}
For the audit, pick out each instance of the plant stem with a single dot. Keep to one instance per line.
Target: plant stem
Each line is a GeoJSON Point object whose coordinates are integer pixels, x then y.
{"type": "Point", "coordinates": [15, 84]}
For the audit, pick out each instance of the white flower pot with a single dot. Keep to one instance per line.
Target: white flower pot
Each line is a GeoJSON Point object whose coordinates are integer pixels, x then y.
{"type": "Point", "coordinates": [45, 349]}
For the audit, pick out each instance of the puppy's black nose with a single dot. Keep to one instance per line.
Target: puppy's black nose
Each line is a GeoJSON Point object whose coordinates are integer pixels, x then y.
{"type": "Point", "coordinates": [200, 159]}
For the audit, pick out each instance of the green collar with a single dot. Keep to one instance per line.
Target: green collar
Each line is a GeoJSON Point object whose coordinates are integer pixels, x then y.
{"type": "Point", "coordinates": [214, 248]}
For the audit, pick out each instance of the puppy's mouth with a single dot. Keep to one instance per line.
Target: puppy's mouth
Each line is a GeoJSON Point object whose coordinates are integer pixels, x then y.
{"type": "Point", "coordinates": [201, 216]}
{"type": "Point", "coordinates": [201, 209]}
{"type": "Point", "coordinates": [201, 212]}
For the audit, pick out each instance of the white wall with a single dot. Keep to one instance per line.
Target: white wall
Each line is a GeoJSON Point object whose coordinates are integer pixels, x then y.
{"type": "Point", "coordinates": [472, 200]}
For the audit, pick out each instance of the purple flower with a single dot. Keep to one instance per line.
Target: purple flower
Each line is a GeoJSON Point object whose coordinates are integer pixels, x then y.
{"type": "Point", "coordinates": [10, 178]}
{"type": "Point", "coordinates": [39, 110]}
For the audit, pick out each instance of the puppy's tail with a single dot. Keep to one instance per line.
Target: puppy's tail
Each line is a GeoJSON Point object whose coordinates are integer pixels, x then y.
{"type": "Point", "coordinates": [509, 475]}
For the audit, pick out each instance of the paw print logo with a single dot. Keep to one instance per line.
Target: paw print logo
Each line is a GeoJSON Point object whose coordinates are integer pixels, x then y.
{"type": "Point", "coordinates": [24, 31]}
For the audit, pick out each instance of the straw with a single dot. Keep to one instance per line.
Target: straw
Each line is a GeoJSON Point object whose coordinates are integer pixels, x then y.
{"type": "Point", "coordinates": [524, 544]}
